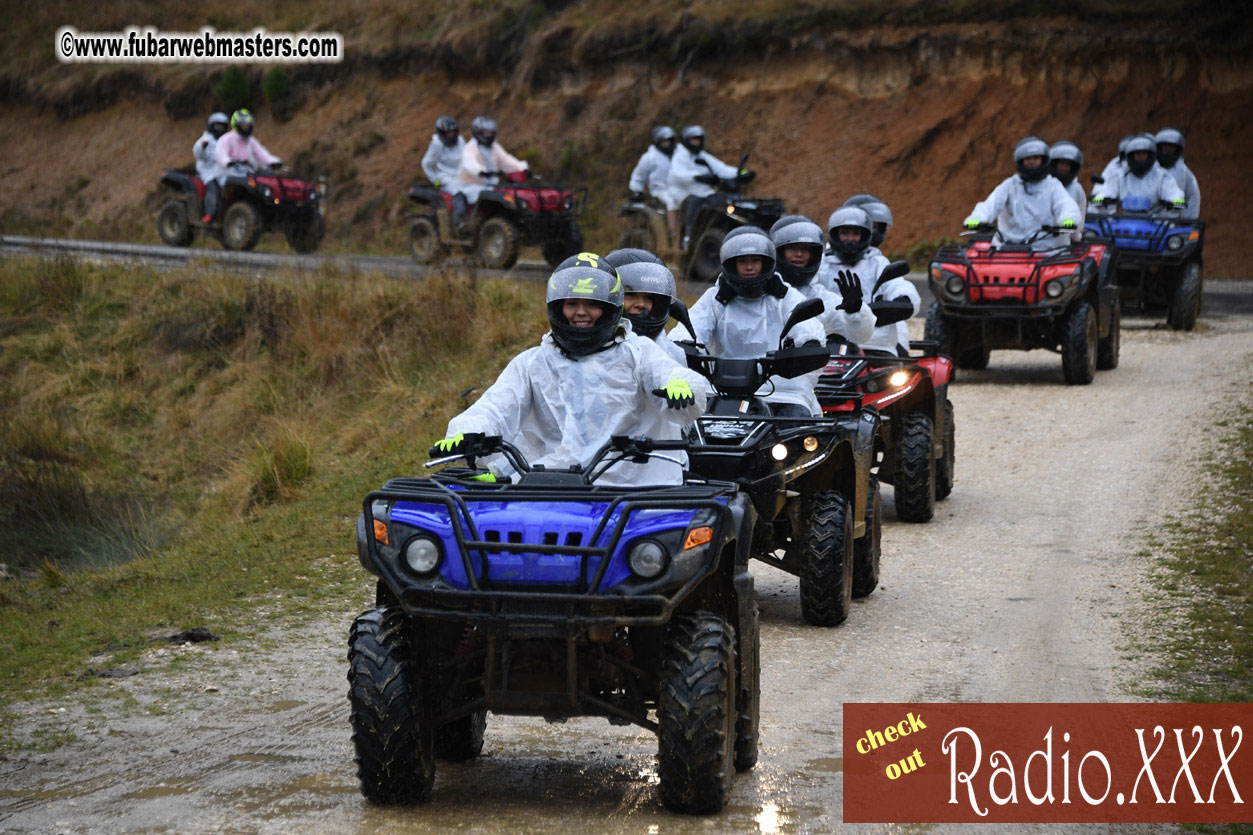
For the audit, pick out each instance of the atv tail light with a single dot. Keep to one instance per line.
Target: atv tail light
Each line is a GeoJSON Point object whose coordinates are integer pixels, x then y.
{"type": "Point", "coordinates": [778, 452]}
{"type": "Point", "coordinates": [898, 378]}
{"type": "Point", "coordinates": [380, 531]}
{"type": "Point", "coordinates": [647, 559]}
{"type": "Point", "coordinates": [421, 554]}
{"type": "Point", "coordinates": [1054, 288]}
{"type": "Point", "coordinates": [697, 537]}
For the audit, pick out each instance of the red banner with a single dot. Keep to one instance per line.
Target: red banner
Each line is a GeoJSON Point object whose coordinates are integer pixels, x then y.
{"type": "Point", "coordinates": [1047, 763]}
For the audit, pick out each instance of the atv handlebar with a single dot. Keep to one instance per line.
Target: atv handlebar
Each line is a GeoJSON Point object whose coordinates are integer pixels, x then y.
{"type": "Point", "coordinates": [629, 448]}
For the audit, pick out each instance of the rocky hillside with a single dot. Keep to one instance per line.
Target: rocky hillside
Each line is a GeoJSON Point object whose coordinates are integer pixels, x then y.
{"type": "Point", "coordinates": [919, 103]}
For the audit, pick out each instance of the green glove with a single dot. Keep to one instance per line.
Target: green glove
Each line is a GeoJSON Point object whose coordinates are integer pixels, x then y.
{"type": "Point", "coordinates": [971, 223]}
{"type": "Point", "coordinates": [678, 394]}
{"type": "Point", "coordinates": [435, 183]}
{"type": "Point", "coordinates": [452, 444]}
{"type": "Point", "coordinates": [488, 477]}
{"type": "Point", "coordinates": [1068, 224]}
{"type": "Point", "coordinates": [1096, 201]}
{"type": "Point", "coordinates": [1179, 202]}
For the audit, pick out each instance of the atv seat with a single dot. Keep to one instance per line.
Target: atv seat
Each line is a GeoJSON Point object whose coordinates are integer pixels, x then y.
{"type": "Point", "coordinates": [199, 184]}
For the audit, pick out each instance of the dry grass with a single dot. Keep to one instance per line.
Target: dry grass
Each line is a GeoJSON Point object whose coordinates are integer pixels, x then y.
{"type": "Point", "coordinates": [176, 445]}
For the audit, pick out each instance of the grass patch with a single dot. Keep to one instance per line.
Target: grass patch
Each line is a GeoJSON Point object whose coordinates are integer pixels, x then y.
{"type": "Point", "coordinates": [212, 436]}
{"type": "Point", "coordinates": [1203, 632]}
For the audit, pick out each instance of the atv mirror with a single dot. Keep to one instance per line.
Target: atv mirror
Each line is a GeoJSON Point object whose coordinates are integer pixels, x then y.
{"type": "Point", "coordinates": [793, 362]}
{"type": "Point", "coordinates": [702, 161]}
{"type": "Point", "coordinates": [678, 312]}
{"type": "Point", "coordinates": [808, 309]}
{"type": "Point", "coordinates": [743, 159]}
{"type": "Point", "coordinates": [897, 269]}
{"type": "Point", "coordinates": [1098, 179]}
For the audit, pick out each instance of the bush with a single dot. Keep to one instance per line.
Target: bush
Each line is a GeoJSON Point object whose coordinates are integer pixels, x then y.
{"type": "Point", "coordinates": [232, 90]}
{"type": "Point", "coordinates": [276, 84]}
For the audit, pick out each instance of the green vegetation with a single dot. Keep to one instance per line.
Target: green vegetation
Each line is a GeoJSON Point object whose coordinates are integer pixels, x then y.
{"type": "Point", "coordinates": [233, 90]}
{"type": "Point", "coordinates": [180, 448]}
{"type": "Point", "coordinates": [1204, 623]}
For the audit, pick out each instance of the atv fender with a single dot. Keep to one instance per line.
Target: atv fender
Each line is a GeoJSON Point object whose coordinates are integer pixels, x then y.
{"type": "Point", "coordinates": [178, 181]}
{"type": "Point", "coordinates": [427, 197]}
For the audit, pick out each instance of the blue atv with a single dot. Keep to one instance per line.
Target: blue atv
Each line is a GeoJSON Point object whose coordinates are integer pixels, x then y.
{"type": "Point", "coordinates": [557, 597]}
{"type": "Point", "coordinates": [1159, 257]}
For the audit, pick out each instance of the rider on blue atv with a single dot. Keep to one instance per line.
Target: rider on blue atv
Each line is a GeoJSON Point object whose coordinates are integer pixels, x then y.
{"type": "Point", "coordinates": [589, 379]}
{"type": "Point", "coordinates": [1170, 144]}
{"type": "Point", "coordinates": [1144, 178]}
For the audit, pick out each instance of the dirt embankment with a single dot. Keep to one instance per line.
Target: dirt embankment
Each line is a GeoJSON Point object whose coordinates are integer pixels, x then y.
{"type": "Point", "coordinates": [923, 116]}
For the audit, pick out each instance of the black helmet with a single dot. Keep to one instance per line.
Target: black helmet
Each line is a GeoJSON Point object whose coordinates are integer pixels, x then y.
{"type": "Point", "coordinates": [1032, 146]}
{"type": "Point", "coordinates": [797, 230]}
{"type": "Point", "coordinates": [219, 124]}
{"type": "Point", "coordinates": [484, 130]}
{"type": "Point", "coordinates": [694, 138]}
{"type": "Point", "coordinates": [242, 122]}
{"type": "Point", "coordinates": [644, 272]}
{"type": "Point", "coordinates": [747, 240]}
{"type": "Point", "coordinates": [1065, 151]}
{"type": "Point", "coordinates": [584, 276]}
{"type": "Point", "coordinates": [1142, 142]}
{"type": "Point", "coordinates": [849, 217]}
{"type": "Point", "coordinates": [663, 137]}
{"type": "Point", "coordinates": [1165, 138]}
{"type": "Point", "coordinates": [446, 127]}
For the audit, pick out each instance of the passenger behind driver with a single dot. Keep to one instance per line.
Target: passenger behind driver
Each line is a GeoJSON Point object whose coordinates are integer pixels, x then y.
{"type": "Point", "coordinates": [1170, 144]}
{"type": "Point", "coordinates": [798, 246]}
{"type": "Point", "coordinates": [590, 378]}
{"type": "Point", "coordinates": [240, 146]}
{"type": "Point", "coordinates": [1028, 201]}
{"type": "Point", "coordinates": [742, 317]}
{"type": "Point", "coordinates": [649, 289]}
{"type": "Point", "coordinates": [652, 172]}
{"type": "Point", "coordinates": [1065, 160]}
{"type": "Point", "coordinates": [207, 168]}
{"type": "Point", "coordinates": [1118, 164]}
{"type": "Point", "coordinates": [880, 219]}
{"type": "Point", "coordinates": [481, 157]}
{"type": "Point", "coordinates": [892, 302]}
{"type": "Point", "coordinates": [442, 159]}
{"type": "Point", "coordinates": [690, 161]}
{"type": "Point", "coordinates": [1143, 179]}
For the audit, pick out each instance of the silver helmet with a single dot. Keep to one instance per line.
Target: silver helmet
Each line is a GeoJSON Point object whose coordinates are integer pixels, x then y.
{"type": "Point", "coordinates": [663, 139]}
{"type": "Point", "coordinates": [584, 276]}
{"type": "Point", "coordinates": [747, 240]}
{"type": "Point", "coordinates": [1145, 142]}
{"type": "Point", "coordinates": [1065, 151]}
{"type": "Point", "coordinates": [694, 138]}
{"type": "Point", "coordinates": [644, 272]}
{"type": "Point", "coordinates": [1165, 138]}
{"type": "Point", "coordinates": [1031, 146]}
{"type": "Point", "coordinates": [1122, 146]}
{"type": "Point", "coordinates": [855, 217]}
{"type": "Point", "coordinates": [221, 122]}
{"type": "Point", "coordinates": [797, 230]}
{"type": "Point", "coordinates": [483, 129]}
{"type": "Point", "coordinates": [880, 218]}
{"type": "Point", "coordinates": [861, 200]}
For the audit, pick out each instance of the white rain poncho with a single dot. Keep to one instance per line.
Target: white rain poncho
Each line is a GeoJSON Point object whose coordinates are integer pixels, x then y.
{"type": "Point", "coordinates": [653, 172]}
{"type": "Point", "coordinates": [440, 162]}
{"type": "Point", "coordinates": [868, 269]}
{"type": "Point", "coordinates": [1156, 185]}
{"type": "Point", "coordinates": [1081, 200]}
{"type": "Point", "coordinates": [207, 167]}
{"type": "Point", "coordinates": [684, 168]}
{"type": "Point", "coordinates": [746, 328]}
{"type": "Point", "coordinates": [1186, 180]}
{"type": "Point", "coordinates": [665, 343]}
{"type": "Point", "coordinates": [559, 410]}
{"type": "Point", "coordinates": [1019, 209]}
{"type": "Point", "coordinates": [1112, 169]}
{"type": "Point", "coordinates": [855, 327]}
{"type": "Point", "coordinates": [475, 161]}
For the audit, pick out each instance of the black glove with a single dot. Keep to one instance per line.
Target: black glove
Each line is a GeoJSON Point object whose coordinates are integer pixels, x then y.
{"type": "Point", "coordinates": [707, 179]}
{"type": "Point", "coordinates": [638, 196]}
{"type": "Point", "coordinates": [890, 311]}
{"type": "Point", "coordinates": [849, 285]}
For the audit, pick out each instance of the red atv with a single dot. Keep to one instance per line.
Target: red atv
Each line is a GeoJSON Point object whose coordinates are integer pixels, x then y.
{"type": "Point", "coordinates": [521, 212]}
{"type": "Point", "coordinates": [252, 202]}
{"type": "Point", "coordinates": [914, 445]}
{"type": "Point", "coordinates": [1013, 296]}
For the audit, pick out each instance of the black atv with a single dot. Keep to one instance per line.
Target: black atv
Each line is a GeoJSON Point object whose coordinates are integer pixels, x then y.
{"type": "Point", "coordinates": [555, 597]}
{"type": "Point", "coordinates": [520, 211]}
{"type": "Point", "coordinates": [809, 478]}
{"type": "Point", "coordinates": [252, 203]}
{"type": "Point", "coordinates": [716, 215]}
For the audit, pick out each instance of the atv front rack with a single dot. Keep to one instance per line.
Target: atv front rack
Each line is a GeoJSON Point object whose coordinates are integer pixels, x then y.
{"type": "Point", "coordinates": [955, 258]}
{"type": "Point", "coordinates": [572, 610]}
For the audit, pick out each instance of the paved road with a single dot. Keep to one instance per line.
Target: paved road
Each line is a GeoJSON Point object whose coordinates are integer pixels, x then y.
{"type": "Point", "coordinates": [1020, 589]}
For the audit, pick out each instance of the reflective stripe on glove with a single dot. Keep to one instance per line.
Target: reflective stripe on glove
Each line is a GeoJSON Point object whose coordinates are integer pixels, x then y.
{"type": "Point", "coordinates": [971, 223]}
{"type": "Point", "coordinates": [678, 394]}
{"type": "Point", "coordinates": [1179, 202]}
{"type": "Point", "coordinates": [489, 477]}
{"type": "Point", "coordinates": [452, 444]}
{"type": "Point", "coordinates": [1068, 224]}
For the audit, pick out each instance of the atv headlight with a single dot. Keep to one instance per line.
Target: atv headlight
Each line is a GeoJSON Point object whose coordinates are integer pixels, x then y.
{"type": "Point", "coordinates": [569, 201]}
{"type": "Point", "coordinates": [953, 284]}
{"type": "Point", "coordinates": [422, 554]}
{"type": "Point", "coordinates": [647, 559]}
{"type": "Point", "coordinates": [1054, 288]}
{"type": "Point", "coordinates": [778, 452]}
{"type": "Point", "coordinates": [1174, 243]}
{"type": "Point", "coordinates": [898, 378]}
{"type": "Point", "coordinates": [265, 191]}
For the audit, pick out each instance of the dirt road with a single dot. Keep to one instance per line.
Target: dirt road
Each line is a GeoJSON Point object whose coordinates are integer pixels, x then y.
{"type": "Point", "coordinates": [1022, 588]}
